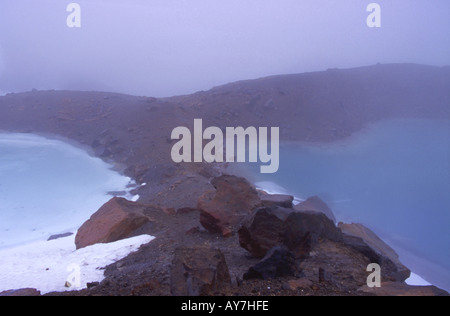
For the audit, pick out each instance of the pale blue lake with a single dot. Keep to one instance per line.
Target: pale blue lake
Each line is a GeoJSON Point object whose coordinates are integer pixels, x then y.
{"type": "Point", "coordinates": [49, 187]}
{"type": "Point", "coordinates": [393, 177]}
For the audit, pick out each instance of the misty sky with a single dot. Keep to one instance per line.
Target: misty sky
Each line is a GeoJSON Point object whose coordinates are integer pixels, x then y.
{"type": "Point", "coordinates": [168, 47]}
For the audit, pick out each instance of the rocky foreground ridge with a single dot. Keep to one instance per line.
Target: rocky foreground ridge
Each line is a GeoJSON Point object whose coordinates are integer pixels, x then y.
{"type": "Point", "coordinates": [240, 241]}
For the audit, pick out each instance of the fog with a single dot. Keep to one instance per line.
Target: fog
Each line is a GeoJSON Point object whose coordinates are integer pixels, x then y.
{"type": "Point", "coordinates": [170, 47]}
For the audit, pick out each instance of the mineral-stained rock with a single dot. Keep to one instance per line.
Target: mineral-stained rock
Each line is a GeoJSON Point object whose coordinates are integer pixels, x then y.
{"type": "Point", "coordinates": [315, 204]}
{"type": "Point", "coordinates": [368, 243]}
{"type": "Point", "coordinates": [115, 220]}
{"type": "Point", "coordinates": [298, 231]}
{"type": "Point", "coordinates": [198, 270]}
{"type": "Point", "coordinates": [278, 262]}
{"type": "Point", "coordinates": [223, 209]}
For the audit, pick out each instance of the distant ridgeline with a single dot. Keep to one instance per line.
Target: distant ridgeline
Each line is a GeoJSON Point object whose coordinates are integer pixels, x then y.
{"type": "Point", "coordinates": [320, 106]}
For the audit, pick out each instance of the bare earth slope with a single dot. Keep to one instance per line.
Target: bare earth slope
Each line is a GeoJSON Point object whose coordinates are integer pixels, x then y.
{"type": "Point", "coordinates": [134, 132]}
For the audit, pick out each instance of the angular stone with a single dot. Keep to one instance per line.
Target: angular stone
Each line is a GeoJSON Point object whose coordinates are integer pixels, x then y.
{"type": "Point", "coordinates": [263, 230]}
{"type": "Point", "coordinates": [276, 199]}
{"type": "Point", "coordinates": [115, 220]}
{"type": "Point", "coordinates": [368, 243]}
{"type": "Point", "coordinates": [278, 262]}
{"type": "Point", "coordinates": [198, 270]}
{"type": "Point", "coordinates": [222, 210]}
{"type": "Point", "coordinates": [303, 230]}
{"type": "Point", "coordinates": [298, 231]}
{"type": "Point", "coordinates": [315, 204]}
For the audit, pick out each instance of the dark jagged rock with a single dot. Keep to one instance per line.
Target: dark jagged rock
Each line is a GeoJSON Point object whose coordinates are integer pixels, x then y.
{"type": "Point", "coordinates": [299, 231]}
{"type": "Point", "coordinates": [278, 262]}
{"type": "Point", "coordinates": [368, 243]}
{"type": "Point", "coordinates": [263, 230]}
{"type": "Point", "coordinates": [223, 209]}
{"type": "Point", "coordinates": [315, 204]}
{"type": "Point", "coordinates": [198, 270]}
{"type": "Point", "coordinates": [304, 229]}
{"type": "Point", "coordinates": [282, 200]}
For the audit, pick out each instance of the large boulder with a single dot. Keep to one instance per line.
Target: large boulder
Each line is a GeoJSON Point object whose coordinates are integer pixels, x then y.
{"type": "Point", "coordinates": [222, 209]}
{"type": "Point", "coordinates": [315, 204]}
{"type": "Point", "coordinates": [263, 230]}
{"type": "Point", "coordinates": [368, 243]}
{"type": "Point", "coordinates": [198, 270]}
{"type": "Point", "coordinates": [115, 220]}
{"type": "Point", "coordinates": [267, 227]}
{"type": "Point", "coordinates": [303, 230]}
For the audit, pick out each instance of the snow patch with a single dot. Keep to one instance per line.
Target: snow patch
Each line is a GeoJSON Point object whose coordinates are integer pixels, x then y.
{"type": "Point", "coordinates": [47, 265]}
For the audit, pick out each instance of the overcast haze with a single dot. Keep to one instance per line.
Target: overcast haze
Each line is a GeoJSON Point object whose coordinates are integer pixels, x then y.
{"type": "Point", "coordinates": [168, 47]}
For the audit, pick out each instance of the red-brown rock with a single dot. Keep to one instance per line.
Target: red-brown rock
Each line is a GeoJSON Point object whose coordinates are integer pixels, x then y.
{"type": "Point", "coordinates": [115, 220]}
{"type": "Point", "coordinates": [223, 209]}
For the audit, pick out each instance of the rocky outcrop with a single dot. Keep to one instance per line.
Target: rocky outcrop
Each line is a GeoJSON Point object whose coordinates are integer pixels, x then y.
{"type": "Point", "coordinates": [298, 231]}
{"type": "Point", "coordinates": [115, 220]}
{"type": "Point", "coordinates": [315, 204]}
{"type": "Point", "coordinates": [223, 209]}
{"type": "Point", "coordinates": [198, 270]}
{"type": "Point", "coordinates": [367, 242]}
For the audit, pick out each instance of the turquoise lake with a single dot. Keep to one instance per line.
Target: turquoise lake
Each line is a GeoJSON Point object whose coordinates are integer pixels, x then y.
{"type": "Point", "coordinates": [393, 177]}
